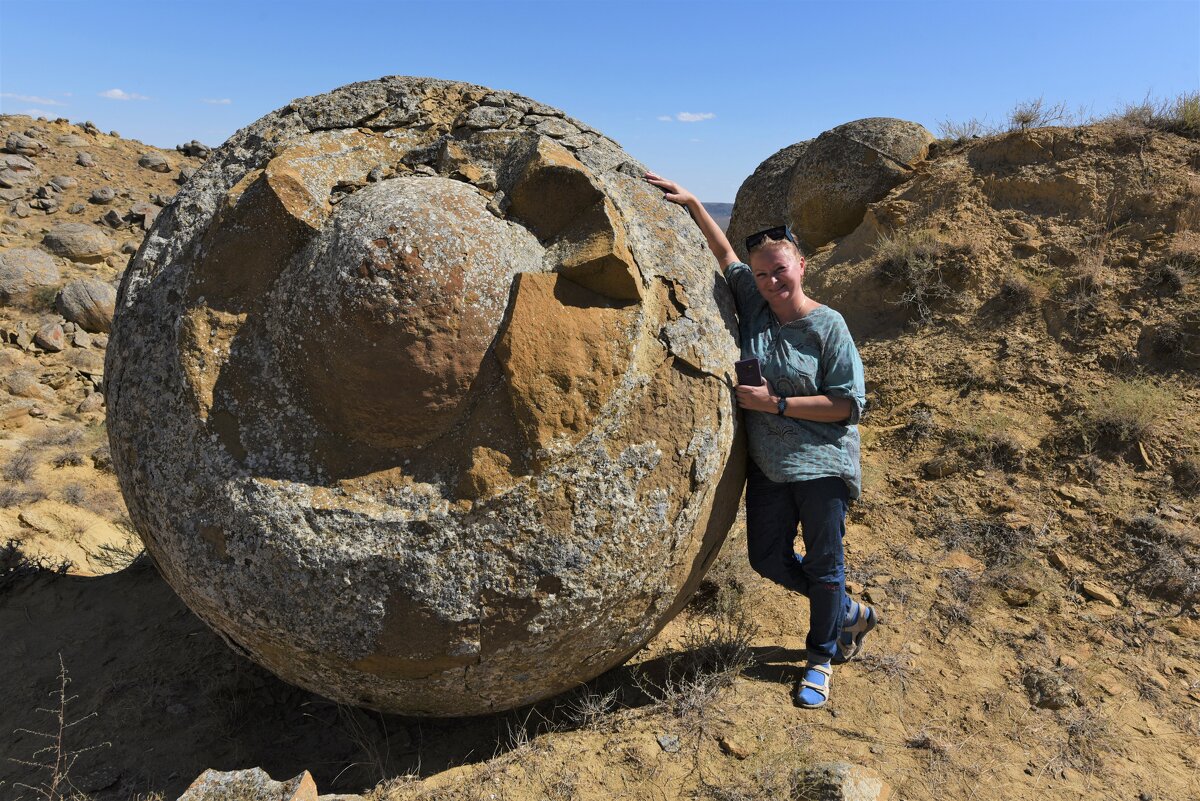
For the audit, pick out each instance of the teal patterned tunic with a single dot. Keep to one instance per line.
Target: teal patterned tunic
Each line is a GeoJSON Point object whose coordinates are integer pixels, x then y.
{"type": "Point", "coordinates": [814, 355]}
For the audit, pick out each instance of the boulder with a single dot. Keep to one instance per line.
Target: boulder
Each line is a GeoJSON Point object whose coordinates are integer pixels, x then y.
{"type": "Point", "coordinates": [440, 438]}
{"type": "Point", "coordinates": [88, 303]}
{"type": "Point", "coordinates": [79, 242]}
{"type": "Point", "coordinates": [822, 187]}
{"type": "Point", "coordinates": [154, 161]}
{"type": "Point", "coordinates": [23, 145]}
{"type": "Point", "coordinates": [25, 270]}
{"type": "Point", "coordinates": [85, 159]}
{"type": "Point", "coordinates": [761, 200]}
{"type": "Point", "coordinates": [843, 170]}
{"type": "Point", "coordinates": [194, 149]}
{"type": "Point", "coordinates": [102, 195]}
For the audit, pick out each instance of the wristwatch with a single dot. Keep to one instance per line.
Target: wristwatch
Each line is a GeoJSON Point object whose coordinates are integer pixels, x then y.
{"type": "Point", "coordinates": [782, 405]}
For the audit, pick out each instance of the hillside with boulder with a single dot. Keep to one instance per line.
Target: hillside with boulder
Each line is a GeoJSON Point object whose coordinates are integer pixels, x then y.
{"type": "Point", "coordinates": [1027, 306]}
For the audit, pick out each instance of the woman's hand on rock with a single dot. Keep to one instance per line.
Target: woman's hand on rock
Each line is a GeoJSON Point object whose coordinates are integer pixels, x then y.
{"type": "Point", "coordinates": [674, 192]}
{"type": "Point", "coordinates": [757, 399]}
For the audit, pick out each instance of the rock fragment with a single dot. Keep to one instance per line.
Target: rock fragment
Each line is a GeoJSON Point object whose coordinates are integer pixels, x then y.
{"type": "Point", "coordinates": [155, 161]}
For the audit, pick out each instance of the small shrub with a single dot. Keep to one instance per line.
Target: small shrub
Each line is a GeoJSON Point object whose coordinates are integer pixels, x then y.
{"type": "Point", "coordinates": [74, 494]}
{"type": "Point", "coordinates": [1167, 565]}
{"type": "Point", "coordinates": [993, 542]}
{"type": "Point", "coordinates": [1016, 294]}
{"type": "Point", "coordinates": [920, 426]}
{"type": "Point", "coordinates": [68, 459]}
{"type": "Point", "coordinates": [954, 131]}
{"type": "Point", "coordinates": [1090, 740]}
{"type": "Point", "coordinates": [989, 443]}
{"type": "Point", "coordinates": [1179, 115]}
{"type": "Point", "coordinates": [1127, 412]}
{"type": "Point", "coordinates": [21, 467]}
{"type": "Point", "coordinates": [1186, 473]}
{"type": "Point", "coordinates": [1170, 278]}
{"type": "Point", "coordinates": [43, 298]}
{"type": "Point", "coordinates": [1082, 288]}
{"type": "Point", "coordinates": [1036, 114]}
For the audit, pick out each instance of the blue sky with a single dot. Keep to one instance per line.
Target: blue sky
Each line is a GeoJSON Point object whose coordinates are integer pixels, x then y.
{"type": "Point", "coordinates": [751, 77]}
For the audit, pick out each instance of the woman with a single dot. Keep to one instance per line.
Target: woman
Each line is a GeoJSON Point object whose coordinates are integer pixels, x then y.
{"type": "Point", "coordinates": [803, 438]}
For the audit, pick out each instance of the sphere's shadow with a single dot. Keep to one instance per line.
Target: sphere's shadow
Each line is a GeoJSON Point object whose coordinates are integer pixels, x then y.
{"type": "Point", "coordinates": [161, 699]}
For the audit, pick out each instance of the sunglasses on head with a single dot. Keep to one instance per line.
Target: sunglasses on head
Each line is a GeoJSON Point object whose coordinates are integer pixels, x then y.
{"type": "Point", "coordinates": [777, 233]}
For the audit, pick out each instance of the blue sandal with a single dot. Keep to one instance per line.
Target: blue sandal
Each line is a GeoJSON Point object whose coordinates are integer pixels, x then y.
{"type": "Point", "coordinates": [813, 691]}
{"type": "Point", "coordinates": [857, 626]}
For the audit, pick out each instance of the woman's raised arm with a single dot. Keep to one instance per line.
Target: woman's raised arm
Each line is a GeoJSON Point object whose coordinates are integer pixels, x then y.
{"type": "Point", "coordinates": [717, 242]}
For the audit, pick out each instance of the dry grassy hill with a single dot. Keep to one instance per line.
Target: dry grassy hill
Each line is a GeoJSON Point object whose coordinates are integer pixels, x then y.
{"type": "Point", "coordinates": [1028, 310]}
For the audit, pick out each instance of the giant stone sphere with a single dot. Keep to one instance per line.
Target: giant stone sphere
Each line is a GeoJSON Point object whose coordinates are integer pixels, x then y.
{"type": "Point", "coordinates": [419, 396]}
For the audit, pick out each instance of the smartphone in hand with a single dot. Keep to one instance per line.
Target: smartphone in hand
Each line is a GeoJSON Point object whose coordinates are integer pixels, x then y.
{"type": "Point", "coordinates": [748, 373]}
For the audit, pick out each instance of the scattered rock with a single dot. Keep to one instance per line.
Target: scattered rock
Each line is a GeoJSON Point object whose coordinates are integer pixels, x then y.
{"type": "Point", "coordinates": [64, 182]}
{"type": "Point", "coordinates": [668, 743]}
{"type": "Point", "coordinates": [143, 214]}
{"type": "Point", "coordinates": [16, 170]}
{"type": "Point", "coordinates": [23, 384]}
{"type": "Point", "coordinates": [842, 781]}
{"type": "Point", "coordinates": [102, 195]}
{"type": "Point", "coordinates": [114, 219]}
{"type": "Point", "coordinates": [194, 149]}
{"type": "Point", "coordinates": [72, 140]}
{"type": "Point", "coordinates": [733, 746]}
{"type": "Point", "coordinates": [23, 145]}
{"type": "Point", "coordinates": [76, 208]}
{"type": "Point", "coordinates": [50, 338]}
{"type": "Point", "coordinates": [102, 456]}
{"type": "Point", "coordinates": [88, 303]}
{"type": "Point", "coordinates": [79, 242]}
{"type": "Point", "coordinates": [1098, 592]}
{"type": "Point", "coordinates": [185, 173]}
{"type": "Point", "coordinates": [85, 159]}
{"type": "Point", "coordinates": [25, 270]}
{"type": "Point", "coordinates": [155, 161]}
{"type": "Point", "coordinates": [941, 466]}
{"type": "Point", "coordinates": [1048, 690]}
{"type": "Point", "coordinates": [253, 784]}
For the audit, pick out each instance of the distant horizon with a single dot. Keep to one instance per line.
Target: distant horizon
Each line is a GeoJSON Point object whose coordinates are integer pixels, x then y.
{"type": "Point", "coordinates": [657, 77]}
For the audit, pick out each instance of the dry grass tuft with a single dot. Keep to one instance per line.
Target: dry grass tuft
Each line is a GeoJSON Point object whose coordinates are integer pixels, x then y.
{"type": "Point", "coordinates": [1168, 566]}
{"type": "Point", "coordinates": [1178, 115]}
{"type": "Point", "coordinates": [1125, 413]}
{"type": "Point", "coordinates": [920, 263]}
{"type": "Point", "coordinates": [1038, 114]}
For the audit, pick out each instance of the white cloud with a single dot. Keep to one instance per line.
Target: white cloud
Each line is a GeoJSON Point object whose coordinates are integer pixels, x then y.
{"type": "Point", "coordinates": [37, 112]}
{"type": "Point", "coordinates": [217, 101]}
{"type": "Point", "coordinates": [665, 118]}
{"type": "Point", "coordinates": [687, 116]}
{"type": "Point", "coordinates": [117, 94]}
{"type": "Point", "coordinates": [44, 101]}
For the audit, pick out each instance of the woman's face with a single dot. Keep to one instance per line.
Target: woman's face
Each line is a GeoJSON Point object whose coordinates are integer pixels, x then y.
{"type": "Point", "coordinates": [778, 272]}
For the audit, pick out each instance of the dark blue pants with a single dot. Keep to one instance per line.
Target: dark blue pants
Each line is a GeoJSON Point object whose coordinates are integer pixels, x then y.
{"type": "Point", "coordinates": [818, 507]}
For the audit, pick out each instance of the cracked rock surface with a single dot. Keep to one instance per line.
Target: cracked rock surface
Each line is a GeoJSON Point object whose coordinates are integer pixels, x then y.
{"type": "Point", "coordinates": [419, 396]}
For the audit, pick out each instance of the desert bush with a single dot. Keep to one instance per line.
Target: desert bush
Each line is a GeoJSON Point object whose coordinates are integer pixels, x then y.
{"type": "Point", "coordinates": [67, 459]}
{"type": "Point", "coordinates": [919, 263]}
{"type": "Point", "coordinates": [994, 542]}
{"type": "Point", "coordinates": [1126, 412]}
{"type": "Point", "coordinates": [1016, 294]}
{"type": "Point", "coordinates": [1179, 115]}
{"type": "Point", "coordinates": [955, 131]}
{"type": "Point", "coordinates": [15, 564]}
{"type": "Point", "coordinates": [20, 467]}
{"type": "Point", "coordinates": [1037, 114]}
{"type": "Point", "coordinates": [988, 442]}
{"type": "Point", "coordinates": [1081, 289]}
{"type": "Point", "coordinates": [1167, 565]}
{"type": "Point", "coordinates": [958, 594]}
{"type": "Point", "coordinates": [1169, 277]}
{"type": "Point", "coordinates": [1090, 739]}
{"type": "Point", "coordinates": [74, 494]}
{"type": "Point", "coordinates": [1186, 473]}
{"type": "Point", "coordinates": [42, 298]}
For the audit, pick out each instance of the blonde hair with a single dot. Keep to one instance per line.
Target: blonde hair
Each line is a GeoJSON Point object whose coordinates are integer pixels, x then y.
{"type": "Point", "coordinates": [768, 242]}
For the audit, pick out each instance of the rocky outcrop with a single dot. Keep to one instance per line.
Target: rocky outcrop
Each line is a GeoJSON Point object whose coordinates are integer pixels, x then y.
{"type": "Point", "coordinates": [831, 180]}
{"type": "Point", "coordinates": [418, 395]}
